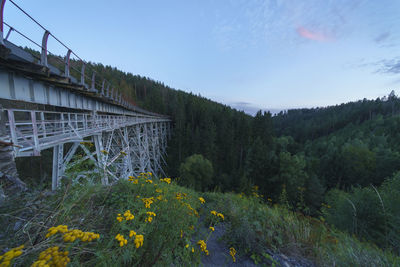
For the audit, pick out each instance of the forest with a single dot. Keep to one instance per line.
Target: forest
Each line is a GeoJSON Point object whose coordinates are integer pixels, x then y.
{"type": "Point", "coordinates": [339, 163]}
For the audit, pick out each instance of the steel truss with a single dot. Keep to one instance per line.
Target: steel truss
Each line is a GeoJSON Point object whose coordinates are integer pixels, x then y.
{"type": "Point", "coordinates": [123, 145]}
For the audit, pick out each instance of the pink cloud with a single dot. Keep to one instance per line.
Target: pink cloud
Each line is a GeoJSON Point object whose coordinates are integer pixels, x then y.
{"type": "Point", "coordinates": [316, 36]}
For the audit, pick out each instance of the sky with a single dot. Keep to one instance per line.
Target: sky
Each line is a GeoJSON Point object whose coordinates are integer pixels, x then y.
{"type": "Point", "coordinates": [249, 54]}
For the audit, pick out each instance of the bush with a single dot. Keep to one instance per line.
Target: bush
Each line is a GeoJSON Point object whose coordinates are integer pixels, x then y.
{"type": "Point", "coordinates": [196, 172]}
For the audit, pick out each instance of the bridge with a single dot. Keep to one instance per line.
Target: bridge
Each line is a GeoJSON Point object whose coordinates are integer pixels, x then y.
{"type": "Point", "coordinates": [44, 107]}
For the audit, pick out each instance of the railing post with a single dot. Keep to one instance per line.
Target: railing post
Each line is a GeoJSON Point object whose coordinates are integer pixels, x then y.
{"type": "Point", "coordinates": [8, 33]}
{"type": "Point", "coordinates": [67, 63]}
{"type": "Point", "coordinates": [13, 128]}
{"type": "Point", "coordinates": [93, 88]}
{"type": "Point", "coordinates": [43, 56]}
{"type": "Point", "coordinates": [1, 21]}
{"type": "Point", "coordinates": [107, 90]}
{"type": "Point", "coordinates": [102, 87]}
{"type": "Point", "coordinates": [83, 74]}
{"type": "Point", "coordinates": [36, 150]}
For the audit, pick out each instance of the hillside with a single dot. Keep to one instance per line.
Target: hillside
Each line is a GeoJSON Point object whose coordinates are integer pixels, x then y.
{"type": "Point", "coordinates": [145, 221]}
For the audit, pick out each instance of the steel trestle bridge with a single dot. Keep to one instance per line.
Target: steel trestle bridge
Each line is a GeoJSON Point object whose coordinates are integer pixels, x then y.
{"type": "Point", "coordinates": [43, 107]}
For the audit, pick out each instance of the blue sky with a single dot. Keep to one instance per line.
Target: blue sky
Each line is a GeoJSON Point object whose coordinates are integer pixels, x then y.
{"type": "Point", "coordinates": [250, 54]}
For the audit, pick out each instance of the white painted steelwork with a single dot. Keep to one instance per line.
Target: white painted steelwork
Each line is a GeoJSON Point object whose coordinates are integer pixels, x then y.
{"type": "Point", "coordinates": [124, 145]}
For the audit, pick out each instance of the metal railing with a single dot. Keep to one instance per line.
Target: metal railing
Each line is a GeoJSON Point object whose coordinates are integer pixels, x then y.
{"type": "Point", "coordinates": [32, 131]}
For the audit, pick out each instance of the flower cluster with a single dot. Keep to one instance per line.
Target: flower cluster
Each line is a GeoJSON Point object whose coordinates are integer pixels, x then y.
{"type": "Point", "coordinates": [132, 233]}
{"type": "Point", "coordinates": [220, 215]}
{"type": "Point", "coordinates": [52, 257]}
{"type": "Point", "coordinates": [7, 257]}
{"type": "Point", "coordinates": [74, 234]}
{"type": "Point", "coordinates": [147, 201]}
{"type": "Point", "coordinates": [149, 219]}
{"type": "Point", "coordinates": [180, 196]}
{"type": "Point", "coordinates": [212, 229]}
{"type": "Point", "coordinates": [128, 215]}
{"type": "Point", "coordinates": [54, 230]}
{"type": "Point", "coordinates": [138, 241]}
{"type": "Point", "coordinates": [192, 210]}
{"type": "Point", "coordinates": [232, 252]}
{"type": "Point", "coordinates": [203, 246]}
{"type": "Point", "coordinates": [145, 175]}
{"type": "Point", "coordinates": [87, 143]}
{"type": "Point", "coordinates": [121, 239]}
{"type": "Point", "coordinates": [166, 180]}
{"type": "Point", "coordinates": [202, 200]}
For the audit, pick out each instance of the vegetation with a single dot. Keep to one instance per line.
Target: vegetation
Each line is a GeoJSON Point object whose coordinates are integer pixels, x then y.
{"type": "Point", "coordinates": [339, 165]}
{"type": "Point", "coordinates": [144, 221]}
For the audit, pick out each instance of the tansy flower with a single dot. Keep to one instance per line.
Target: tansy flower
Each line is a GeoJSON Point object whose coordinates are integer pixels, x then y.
{"type": "Point", "coordinates": [212, 228]}
{"type": "Point", "coordinates": [203, 246]}
{"type": "Point", "coordinates": [232, 252]}
{"type": "Point", "coordinates": [221, 216]}
{"type": "Point", "coordinates": [166, 180]}
{"type": "Point", "coordinates": [213, 212]}
{"type": "Point", "coordinates": [120, 218]}
{"type": "Point", "coordinates": [121, 239]}
{"type": "Point", "coordinates": [132, 233]}
{"type": "Point", "coordinates": [202, 200]}
{"type": "Point", "coordinates": [138, 241]}
{"type": "Point", "coordinates": [128, 215]}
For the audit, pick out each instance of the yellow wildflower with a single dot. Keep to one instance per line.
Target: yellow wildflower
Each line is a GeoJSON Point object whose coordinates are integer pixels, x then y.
{"type": "Point", "coordinates": [121, 239]}
{"type": "Point", "coordinates": [212, 228]}
{"type": "Point", "coordinates": [166, 180]}
{"type": "Point", "coordinates": [7, 257]}
{"type": "Point", "coordinates": [232, 252]}
{"type": "Point", "coordinates": [128, 215]}
{"type": "Point", "coordinates": [213, 212]}
{"type": "Point", "coordinates": [147, 201]}
{"type": "Point", "coordinates": [120, 218]}
{"type": "Point", "coordinates": [138, 241]}
{"type": "Point", "coordinates": [132, 233]}
{"type": "Point", "coordinates": [203, 246]}
{"type": "Point", "coordinates": [54, 230]}
{"type": "Point", "coordinates": [52, 257]}
{"type": "Point", "coordinates": [221, 216]}
{"type": "Point", "coordinates": [202, 200]}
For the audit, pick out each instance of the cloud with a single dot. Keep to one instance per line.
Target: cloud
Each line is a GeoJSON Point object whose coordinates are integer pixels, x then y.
{"type": "Point", "coordinates": [382, 37]}
{"type": "Point", "coordinates": [312, 35]}
{"type": "Point", "coordinates": [265, 23]}
{"type": "Point", "coordinates": [390, 66]}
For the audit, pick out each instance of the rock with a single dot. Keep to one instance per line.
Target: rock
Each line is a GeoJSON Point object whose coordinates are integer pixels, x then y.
{"type": "Point", "coordinates": [17, 225]}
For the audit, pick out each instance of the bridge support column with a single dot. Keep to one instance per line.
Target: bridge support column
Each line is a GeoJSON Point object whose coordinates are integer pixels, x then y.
{"type": "Point", "coordinates": [101, 158]}
{"type": "Point", "coordinates": [58, 169]}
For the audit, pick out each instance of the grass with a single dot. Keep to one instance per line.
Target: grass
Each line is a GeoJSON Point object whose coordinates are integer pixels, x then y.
{"type": "Point", "coordinates": [254, 228]}
{"type": "Point", "coordinates": [257, 227]}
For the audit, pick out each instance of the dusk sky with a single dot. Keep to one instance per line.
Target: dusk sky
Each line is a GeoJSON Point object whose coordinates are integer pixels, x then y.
{"type": "Point", "coordinates": [250, 54]}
